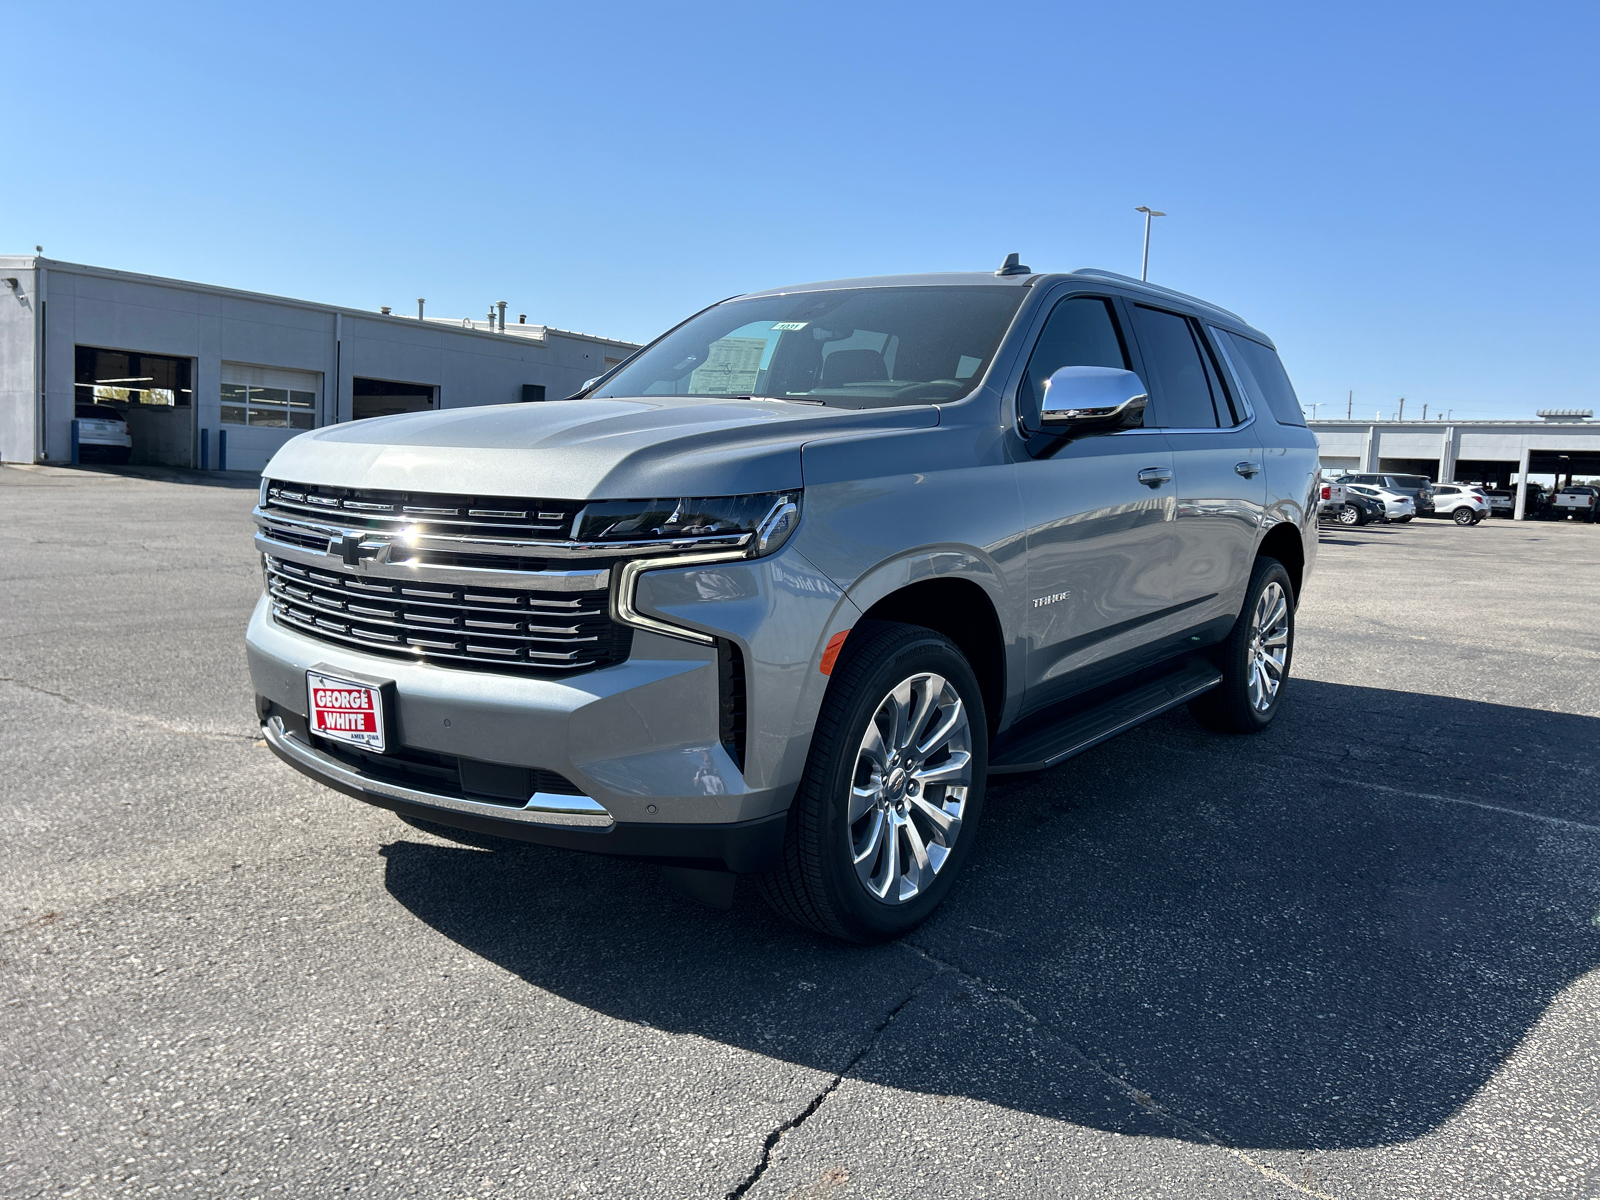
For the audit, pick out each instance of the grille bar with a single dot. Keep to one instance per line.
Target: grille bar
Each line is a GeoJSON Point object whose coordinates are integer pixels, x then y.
{"type": "Point", "coordinates": [393, 512]}
{"type": "Point", "coordinates": [498, 629]}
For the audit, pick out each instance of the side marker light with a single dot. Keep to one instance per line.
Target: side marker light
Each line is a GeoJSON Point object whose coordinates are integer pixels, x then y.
{"type": "Point", "coordinates": [830, 654]}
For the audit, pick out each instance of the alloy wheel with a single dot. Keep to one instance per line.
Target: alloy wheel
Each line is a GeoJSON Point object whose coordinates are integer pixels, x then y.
{"type": "Point", "coordinates": [1269, 646]}
{"type": "Point", "coordinates": [909, 790]}
{"type": "Point", "coordinates": [1349, 515]}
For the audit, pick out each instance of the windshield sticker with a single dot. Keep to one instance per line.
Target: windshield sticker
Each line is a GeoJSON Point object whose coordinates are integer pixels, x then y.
{"type": "Point", "coordinates": [730, 369]}
{"type": "Point", "coordinates": [791, 324]}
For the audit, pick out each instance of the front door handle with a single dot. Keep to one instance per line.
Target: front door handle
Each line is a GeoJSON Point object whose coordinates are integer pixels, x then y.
{"type": "Point", "coordinates": [1247, 468]}
{"type": "Point", "coordinates": [1154, 477]}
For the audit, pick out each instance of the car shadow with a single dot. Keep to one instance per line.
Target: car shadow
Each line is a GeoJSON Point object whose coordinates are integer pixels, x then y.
{"type": "Point", "coordinates": [1328, 936]}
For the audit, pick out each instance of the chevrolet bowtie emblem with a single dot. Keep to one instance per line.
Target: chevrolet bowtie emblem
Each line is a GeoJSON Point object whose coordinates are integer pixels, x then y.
{"type": "Point", "coordinates": [353, 550]}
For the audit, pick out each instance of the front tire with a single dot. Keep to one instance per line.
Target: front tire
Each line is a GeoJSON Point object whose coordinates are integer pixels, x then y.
{"type": "Point", "coordinates": [1255, 658]}
{"type": "Point", "coordinates": [1350, 515]}
{"type": "Point", "coordinates": [888, 807]}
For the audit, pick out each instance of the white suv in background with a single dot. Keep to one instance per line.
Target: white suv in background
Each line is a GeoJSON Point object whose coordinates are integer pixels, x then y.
{"type": "Point", "coordinates": [1462, 504]}
{"type": "Point", "coordinates": [1398, 508]}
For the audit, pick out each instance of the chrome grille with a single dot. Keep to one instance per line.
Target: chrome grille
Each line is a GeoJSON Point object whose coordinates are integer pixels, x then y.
{"type": "Point", "coordinates": [398, 512]}
{"type": "Point", "coordinates": [506, 629]}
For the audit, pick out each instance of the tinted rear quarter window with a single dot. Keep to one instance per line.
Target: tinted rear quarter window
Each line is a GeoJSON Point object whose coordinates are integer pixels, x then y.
{"type": "Point", "coordinates": [1264, 378]}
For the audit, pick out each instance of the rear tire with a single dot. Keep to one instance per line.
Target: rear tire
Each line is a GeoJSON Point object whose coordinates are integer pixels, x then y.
{"type": "Point", "coordinates": [1464, 516]}
{"type": "Point", "coordinates": [874, 842]}
{"type": "Point", "coordinates": [1256, 657]}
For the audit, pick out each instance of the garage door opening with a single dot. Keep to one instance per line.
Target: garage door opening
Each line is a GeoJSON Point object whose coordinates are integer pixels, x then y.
{"type": "Point", "coordinates": [385, 398]}
{"type": "Point", "coordinates": [1426, 467]}
{"type": "Point", "coordinates": [136, 408]}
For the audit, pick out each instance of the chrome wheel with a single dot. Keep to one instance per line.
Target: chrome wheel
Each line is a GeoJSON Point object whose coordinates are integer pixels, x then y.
{"type": "Point", "coordinates": [909, 789]}
{"type": "Point", "coordinates": [1269, 646]}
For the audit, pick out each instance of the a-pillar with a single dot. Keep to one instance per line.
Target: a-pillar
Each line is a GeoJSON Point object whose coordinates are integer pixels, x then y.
{"type": "Point", "coordinates": [1522, 485]}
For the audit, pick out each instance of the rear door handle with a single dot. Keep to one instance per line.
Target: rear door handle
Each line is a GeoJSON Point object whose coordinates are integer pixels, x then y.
{"type": "Point", "coordinates": [1247, 468]}
{"type": "Point", "coordinates": [1154, 477]}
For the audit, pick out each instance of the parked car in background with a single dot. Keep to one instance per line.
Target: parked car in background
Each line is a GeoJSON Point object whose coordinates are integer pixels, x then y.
{"type": "Point", "coordinates": [1576, 502]}
{"type": "Point", "coordinates": [1502, 501]}
{"type": "Point", "coordinates": [1357, 509]}
{"type": "Point", "coordinates": [1418, 487]}
{"type": "Point", "coordinates": [102, 434]}
{"type": "Point", "coordinates": [1330, 499]}
{"type": "Point", "coordinates": [1463, 505]}
{"type": "Point", "coordinates": [1397, 506]}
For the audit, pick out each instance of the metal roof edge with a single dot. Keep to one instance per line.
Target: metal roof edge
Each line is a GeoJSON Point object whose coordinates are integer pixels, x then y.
{"type": "Point", "coordinates": [36, 261]}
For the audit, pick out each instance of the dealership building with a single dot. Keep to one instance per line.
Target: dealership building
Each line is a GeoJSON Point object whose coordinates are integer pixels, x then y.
{"type": "Point", "coordinates": [212, 376]}
{"type": "Point", "coordinates": [1562, 444]}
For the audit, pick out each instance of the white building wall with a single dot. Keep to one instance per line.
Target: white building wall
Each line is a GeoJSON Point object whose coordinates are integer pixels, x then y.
{"type": "Point", "coordinates": [92, 306]}
{"type": "Point", "coordinates": [19, 381]}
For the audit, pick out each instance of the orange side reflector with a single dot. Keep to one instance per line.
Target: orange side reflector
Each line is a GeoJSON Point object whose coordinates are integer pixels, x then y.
{"type": "Point", "coordinates": [830, 655]}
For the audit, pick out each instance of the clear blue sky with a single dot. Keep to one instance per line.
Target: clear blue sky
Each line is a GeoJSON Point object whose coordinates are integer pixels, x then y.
{"type": "Point", "coordinates": [1395, 192]}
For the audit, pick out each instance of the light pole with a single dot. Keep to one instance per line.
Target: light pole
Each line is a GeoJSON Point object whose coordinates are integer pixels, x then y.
{"type": "Point", "coordinates": [1144, 268]}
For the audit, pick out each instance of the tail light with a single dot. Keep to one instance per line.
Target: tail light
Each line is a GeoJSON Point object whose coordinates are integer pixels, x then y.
{"type": "Point", "coordinates": [1327, 493]}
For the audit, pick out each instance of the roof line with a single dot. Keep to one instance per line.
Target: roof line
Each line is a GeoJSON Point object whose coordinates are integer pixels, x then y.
{"type": "Point", "coordinates": [34, 262]}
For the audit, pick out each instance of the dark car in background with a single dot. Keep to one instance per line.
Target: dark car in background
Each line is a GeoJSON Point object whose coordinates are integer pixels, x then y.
{"type": "Point", "coordinates": [1357, 508]}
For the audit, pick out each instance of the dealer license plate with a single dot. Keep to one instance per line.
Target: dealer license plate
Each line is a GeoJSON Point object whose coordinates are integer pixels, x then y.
{"type": "Point", "coordinates": [346, 711]}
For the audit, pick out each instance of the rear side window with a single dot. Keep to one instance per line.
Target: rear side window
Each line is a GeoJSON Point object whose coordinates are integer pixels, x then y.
{"type": "Point", "coordinates": [1263, 377]}
{"type": "Point", "coordinates": [1080, 332]}
{"type": "Point", "coordinates": [1181, 385]}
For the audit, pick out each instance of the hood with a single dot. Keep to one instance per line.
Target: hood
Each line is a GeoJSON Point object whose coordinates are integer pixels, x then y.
{"type": "Point", "coordinates": [583, 449]}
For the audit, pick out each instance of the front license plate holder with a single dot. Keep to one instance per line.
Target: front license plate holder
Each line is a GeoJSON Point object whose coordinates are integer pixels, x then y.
{"type": "Point", "coordinates": [344, 706]}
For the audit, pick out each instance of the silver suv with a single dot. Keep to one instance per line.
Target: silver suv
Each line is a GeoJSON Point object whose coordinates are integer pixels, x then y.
{"type": "Point", "coordinates": [781, 592]}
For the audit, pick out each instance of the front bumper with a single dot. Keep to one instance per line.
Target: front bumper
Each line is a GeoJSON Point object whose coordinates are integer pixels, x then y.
{"type": "Point", "coordinates": [564, 821]}
{"type": "Point", "coordinates": [642, 740]}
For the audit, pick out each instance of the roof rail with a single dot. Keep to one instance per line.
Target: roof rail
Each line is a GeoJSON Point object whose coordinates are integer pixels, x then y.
{"type": "Point", "coordinates": [1097, 273]}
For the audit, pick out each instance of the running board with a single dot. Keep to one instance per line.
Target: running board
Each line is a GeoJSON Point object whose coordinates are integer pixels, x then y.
{"type": "Point", "coordinates": [1054, 744]}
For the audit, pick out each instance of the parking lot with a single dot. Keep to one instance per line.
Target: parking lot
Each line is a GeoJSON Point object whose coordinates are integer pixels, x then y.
{"type": "Point", "coordinates": [1355, 956]}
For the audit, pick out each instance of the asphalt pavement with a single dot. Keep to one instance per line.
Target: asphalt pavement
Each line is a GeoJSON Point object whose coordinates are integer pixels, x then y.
{"type": "Point", "coordinates": [1352, 957]}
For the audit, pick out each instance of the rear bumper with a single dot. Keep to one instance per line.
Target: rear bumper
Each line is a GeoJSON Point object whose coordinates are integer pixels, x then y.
{"type": "Point", "coordinates": [568, 822]}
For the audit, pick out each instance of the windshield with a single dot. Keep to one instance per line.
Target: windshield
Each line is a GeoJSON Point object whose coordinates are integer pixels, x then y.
{"type": "Point", "coordinates": [855, 348]}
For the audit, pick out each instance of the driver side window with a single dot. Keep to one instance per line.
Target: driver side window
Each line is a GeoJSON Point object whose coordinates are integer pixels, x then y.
{"type": "Point", "coordinates": [1081, 331]}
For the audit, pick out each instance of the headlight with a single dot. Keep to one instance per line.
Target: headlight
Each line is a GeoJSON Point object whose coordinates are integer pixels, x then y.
{"type": "Point", "coordinates": [761, 523]}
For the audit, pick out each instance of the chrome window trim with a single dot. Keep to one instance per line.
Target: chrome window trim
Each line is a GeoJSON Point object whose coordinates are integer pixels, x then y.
{"type": "Point", "coordinates": [542, 807]}
{"type": "Point", "coordinates": [1239, 389]}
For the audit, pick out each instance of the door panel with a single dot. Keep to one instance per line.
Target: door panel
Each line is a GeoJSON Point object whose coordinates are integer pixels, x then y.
{"type": "Point", "coordinates": [1221, 482]}
{"type": "Point", "coordinates": [1100, 552]}
{"type": "Point", "coordinates": [1218, 518]}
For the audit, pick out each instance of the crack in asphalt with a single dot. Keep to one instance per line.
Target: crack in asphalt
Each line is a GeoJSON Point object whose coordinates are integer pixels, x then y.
{"type": "Point", "coordinates": [794, 1123]}
{"type": "Point", "coordinates": [1563, 822]}
{"type": "Point", "coordinates": [133, 718]}
{"type": "Point", "coordinates": [1143, 1099]}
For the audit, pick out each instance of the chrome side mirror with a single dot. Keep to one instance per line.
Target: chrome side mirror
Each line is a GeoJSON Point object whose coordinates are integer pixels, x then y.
{"type": "Point", "coordinates": [1092, 400]}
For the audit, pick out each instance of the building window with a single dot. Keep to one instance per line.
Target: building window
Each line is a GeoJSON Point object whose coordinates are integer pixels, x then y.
{"type": "Point", "coordinates": [269, 398]}
{"type": "Point", "coordinates": [273, 408]}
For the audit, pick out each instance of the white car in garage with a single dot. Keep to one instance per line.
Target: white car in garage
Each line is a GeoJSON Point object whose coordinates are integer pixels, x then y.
{"type": "Point", "coordinates": [1463, 505]}
{"type": "Point", "coordinates": [1398, 508]}
{"type": "Point", "coordinates": [102, 434]}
